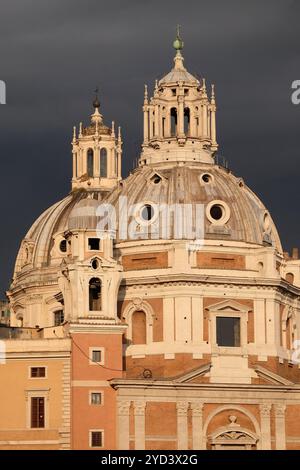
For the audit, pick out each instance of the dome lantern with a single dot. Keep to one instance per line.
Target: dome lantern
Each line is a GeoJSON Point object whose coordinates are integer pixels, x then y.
{"type": "Point", "coordinates": [96, 154]}
{"type": "Point", "coordinates": [180, 119]}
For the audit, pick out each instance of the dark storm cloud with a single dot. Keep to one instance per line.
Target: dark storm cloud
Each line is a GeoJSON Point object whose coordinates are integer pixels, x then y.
{"type": "Point", "coordinates": [53, 54]}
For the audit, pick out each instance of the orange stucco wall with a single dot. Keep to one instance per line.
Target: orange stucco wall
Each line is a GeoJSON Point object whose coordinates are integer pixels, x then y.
{"type": "Point", "coordinates": [88, 377]}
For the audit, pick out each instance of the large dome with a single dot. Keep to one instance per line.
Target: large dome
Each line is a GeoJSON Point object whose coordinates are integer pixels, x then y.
{"type": "Point", "coordinates": [246, 218]}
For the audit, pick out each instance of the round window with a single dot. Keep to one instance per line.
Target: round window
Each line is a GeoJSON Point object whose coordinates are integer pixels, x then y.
{"type": "Point", "coordinates": [218, 212]}
{"type": "Point", "coordinates": [147, 213]}
{"type": "Point", "coordinates": [95, 264]}
{"type": "Point", "coordinates": [206, 178]}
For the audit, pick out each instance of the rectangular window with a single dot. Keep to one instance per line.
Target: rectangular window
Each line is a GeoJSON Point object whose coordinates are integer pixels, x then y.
{"type": "Point", "coordinates": [37, 372]}
{"type": "Point", "coordinates": [96, 398]}
{"type": "Point", "coordinates": [37, 412]}
{"type": "Point", "coordinates": [96, 439]}
{"type": "Point", "coordinates": [59, 317]}
{"type": "Point", "coordinates": [228, 331]}
{"type": "Point", "coordinates": [94, 244]}
{"type": "Point", "coordinates": [96, 355]}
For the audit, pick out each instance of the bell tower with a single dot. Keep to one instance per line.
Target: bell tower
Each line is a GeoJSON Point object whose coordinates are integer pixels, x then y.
{"type": "Point", "coordinates": [97, 154]}
{"type": "Point", "coordinates": [180, 118]}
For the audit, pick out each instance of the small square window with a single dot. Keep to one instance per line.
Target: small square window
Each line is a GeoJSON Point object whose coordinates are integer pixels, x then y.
{"type": "Point", "coordinates": [94, 244]}
{"type": "Point", "coordinates": [96, 355]}
{"type": "Point", "coordinates": [96, 438]}
{"type": "Point", "coordinates": [228, 331]}
{"type": "Point", "coordinates": [36, 372]}
{"type": "Point", "coordinates": [96, 398]}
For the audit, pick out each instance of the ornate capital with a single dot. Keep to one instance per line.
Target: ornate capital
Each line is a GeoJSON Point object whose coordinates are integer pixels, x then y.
{"type": "Point", "coordinates": [123, 408]}
{"type": "Point", "coordinates": [265, 409]}
{"type": "Point", "coordinates": [139, 407]}
{"type": "Point", "coordinates": [197, 409]}
{"type": "Point", "coordinates": [182, 407]}
{"type": "Point", "coordinates": [280, 410]}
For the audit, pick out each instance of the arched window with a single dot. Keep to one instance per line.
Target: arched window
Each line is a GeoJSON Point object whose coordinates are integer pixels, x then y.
{"type": "Point", "coordinates": [173, 122]}
{"type": "Point", "coordinates": [90, 163]}
{"type": "Point", "coordinates": [186, 121]}
{"type": "Point", "coordinates": [103, 163]}
{"type": "Point", "coordinates": [94, 294]}
{"type": "Point", "coordinates": [139, 328]}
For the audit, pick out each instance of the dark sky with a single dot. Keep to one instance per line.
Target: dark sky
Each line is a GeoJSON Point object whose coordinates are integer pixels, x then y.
{"type": "Point", "coordinates": [53, 54]}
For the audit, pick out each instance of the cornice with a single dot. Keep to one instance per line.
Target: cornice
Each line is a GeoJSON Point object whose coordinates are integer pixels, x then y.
{"type": "Point", "coordinates": [185, 279]}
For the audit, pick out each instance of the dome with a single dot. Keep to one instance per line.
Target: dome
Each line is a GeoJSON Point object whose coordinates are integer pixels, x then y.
{"type": "Point", "coordinates": [245, 218]}
{"type": "Point", "coordinates": [76, 211]}
{"type": "Point", "coordinates": [178, 75]}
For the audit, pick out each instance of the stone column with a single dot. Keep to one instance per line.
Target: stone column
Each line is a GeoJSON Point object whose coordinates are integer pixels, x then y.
{"type": "Point", "coordinates": [280, 426]}
{"type": "Point", "coordinates": [123, 408]}
{"type": "Point", "coordinates": [97, 161]}
{"type": "Point", "coordinates": [193, 132]}
{"type": "Point", "coordinates": [204, 120]}
{"type": "Point", "coordinates": [182, 425]}
{"type": "Point", "coordinates": [197, 425]}
{"type": "Point", "coordinates": [119, 164]}
{"type": "Point", "coordinates": [180, 117]}
{"type": "Point", "coordinates": [213, 126]}
{"type": "Point", "coordinates": [156, 121]}
{"type": "Point", "coordinates": [168, 123]}
{"type": "Point", "coordinates": [151, 122]}
{"type": "Point", "coordinates": [146, 124]}
{"type": "Point", "coordinates": [265, 409]}
{"type": "Point", "coordinates": [139, 424]}
{"type": "Point", "coordinates": [84, 161]}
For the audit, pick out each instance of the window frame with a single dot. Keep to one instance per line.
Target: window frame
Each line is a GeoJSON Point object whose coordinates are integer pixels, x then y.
{"type": "Point", "coordinates": [100, 279]}
{"type": "Point", "coordinates": [37, 393]}
{"type": "Point", "coordinates": [228, 309]}
{"type": "Point", "coordinates": [94, 238]}
{"type": "Point", "coordinates": [100, 392]}
{"type": "Point", "coordinates": [90, 438]}
{"type": "Point", "coordinates": [60, 311]}
{"type": "Point", "coordinates": [228, 317]}
{"type": "Point", "coordinates": [37, 367]}
{"type": "Point", "coordinates": [38, 413]}
{"type": "Point", "coordinates": [96, 348]}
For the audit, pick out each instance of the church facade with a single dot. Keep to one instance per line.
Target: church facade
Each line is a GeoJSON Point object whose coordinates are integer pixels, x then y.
{"type": "Point", "coordinates": [157, 311]}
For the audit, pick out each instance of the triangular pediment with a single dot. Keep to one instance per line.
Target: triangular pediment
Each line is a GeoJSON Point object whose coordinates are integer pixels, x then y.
{"type": "Point", "coordinates": [227, 306]}
{"type": "Point", "coordinates": [270, 377]}
{"type": "Point", "coordinates": [193, 375]}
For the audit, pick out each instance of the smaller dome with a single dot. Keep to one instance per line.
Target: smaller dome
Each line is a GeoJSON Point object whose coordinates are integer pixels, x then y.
{"type": "Point", "coordinates": [179, 75]}
{"type": "Point", "coordinates": [179, 72]}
